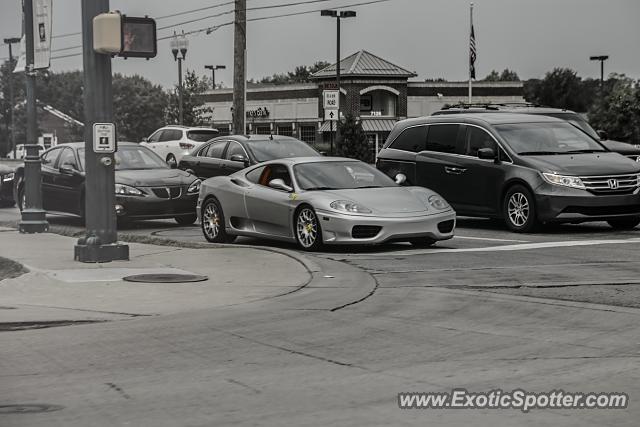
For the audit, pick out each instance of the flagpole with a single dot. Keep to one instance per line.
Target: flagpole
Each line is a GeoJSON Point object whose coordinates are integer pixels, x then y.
{"type": "Point", "coordinates": [470, 36]}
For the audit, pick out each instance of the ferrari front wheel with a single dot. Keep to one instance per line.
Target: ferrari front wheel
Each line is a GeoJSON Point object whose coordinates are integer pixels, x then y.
{"type": "Point", "coordinates": [307, 229]}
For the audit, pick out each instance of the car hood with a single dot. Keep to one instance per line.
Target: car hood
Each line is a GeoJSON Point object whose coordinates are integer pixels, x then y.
{"type": "Point", "coordinates": [386, 200]}
{"type": "Point", "coordinates": [621, 147]}
{"type": "Point", "coordinates": [153, 177]}
{"type": "Point", "coordinates": [584, 164]}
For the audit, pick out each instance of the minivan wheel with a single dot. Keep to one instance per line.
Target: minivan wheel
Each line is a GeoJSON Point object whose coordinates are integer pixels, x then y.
{"type": "Point", "coordinates": [624, 223]}
{"type": "Point", "coordinates": [519, 210]}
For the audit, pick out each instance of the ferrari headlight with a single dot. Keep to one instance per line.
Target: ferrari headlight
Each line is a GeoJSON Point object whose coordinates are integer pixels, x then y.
{"type": "Point", "coordinates": [126, 190]}
{"type": "Point", "coordinates": [567, 181]}
{"type": "Point", "coordinates": [438, 202]}
{"type": "Point", "coordinates": [349, 207]}
{"type": "Point", "coordinates": [194, 187]}
{"type": "Point", "coordinates": [8, 177]}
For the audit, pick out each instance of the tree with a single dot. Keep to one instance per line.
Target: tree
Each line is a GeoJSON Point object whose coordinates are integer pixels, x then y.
{"type": "Point", "coordinates": [353, 142]}
{"type": "Point", "coordinates": [194, 111]}
{"type": "Point", "coordinates": [507, 75]}
{"type": "Point", "coordinates": [301, 74]}
{"type": "Point", "coordinates": [138, 106]}
{"type": "Point", "coordinates": [6, 107]}
{"type": "Point", "coordinates": [619, 110]}
{"type": "Point", "coordinates": [561, 88]}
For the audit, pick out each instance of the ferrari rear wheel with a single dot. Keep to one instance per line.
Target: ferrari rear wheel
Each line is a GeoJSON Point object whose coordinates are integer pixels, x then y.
{"type": "Point", "coordinates": [213, 223]}
{"type": "Point", "coordinates": [307, 228]}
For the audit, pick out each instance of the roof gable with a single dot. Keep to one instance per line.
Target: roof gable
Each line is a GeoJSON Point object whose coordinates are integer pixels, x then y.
{"type": "Point", "coordinates": [364, 64]}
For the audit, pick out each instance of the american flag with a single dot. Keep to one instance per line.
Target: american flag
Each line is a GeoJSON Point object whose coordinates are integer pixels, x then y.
{"type": "Point", "coordinates": [472, 54]}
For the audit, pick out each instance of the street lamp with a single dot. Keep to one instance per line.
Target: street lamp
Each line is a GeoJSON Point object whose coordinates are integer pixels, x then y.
{"type": "Point", "coordinates": [213, 69]}
{"type": "Point", "coordinates": [600, 58]}
{"type": "Point", "coordinates": [9, 42]}
{"type": "Point", "coordinates": [332, 13]}
{"type": "Point", "coordinates": [179, 45]}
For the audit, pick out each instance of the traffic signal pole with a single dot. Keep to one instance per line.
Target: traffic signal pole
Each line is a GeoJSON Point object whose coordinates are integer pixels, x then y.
{"type": "Point", "coordinates": [239, 67]}
{"type": "Point", "coordinates": [100, 241]}
{"type": "Point", "coordinates": [34, 219]}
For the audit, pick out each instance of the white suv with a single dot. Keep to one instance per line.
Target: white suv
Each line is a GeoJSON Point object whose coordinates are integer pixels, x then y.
{"type": "Point", "coordinates": [173, 142]}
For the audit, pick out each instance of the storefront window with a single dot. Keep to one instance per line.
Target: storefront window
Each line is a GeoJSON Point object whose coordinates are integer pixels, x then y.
{"type": "Point", "coordinates": [308, 134]}
{"type": "Point", "coordinates": [286, 130]}
{"type": "Point", "coordinates": [378, 103]}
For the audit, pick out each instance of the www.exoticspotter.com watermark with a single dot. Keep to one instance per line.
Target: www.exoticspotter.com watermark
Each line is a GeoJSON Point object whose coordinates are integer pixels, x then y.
{"type": "Point", "coordinates": [516, 399]}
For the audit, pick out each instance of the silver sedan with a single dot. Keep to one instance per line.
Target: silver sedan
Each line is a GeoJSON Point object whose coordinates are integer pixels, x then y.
{"type": "Point", "coordinates": [321, 200]}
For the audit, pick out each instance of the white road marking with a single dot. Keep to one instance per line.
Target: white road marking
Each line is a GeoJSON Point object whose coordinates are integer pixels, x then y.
{"type": "Point", "coordinates": [490, 239]}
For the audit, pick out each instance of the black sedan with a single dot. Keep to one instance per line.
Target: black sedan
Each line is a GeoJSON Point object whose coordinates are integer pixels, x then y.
{"type": "Point", "coordinates": [6, 185]}
{"type": "Point", "coordinates": [225, 155]}
{"type": "Point", "coordinates": [146, 187]}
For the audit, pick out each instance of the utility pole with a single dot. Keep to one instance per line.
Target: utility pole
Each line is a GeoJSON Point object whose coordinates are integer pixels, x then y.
{"type": "Point", "coordinates": [9, 42]}
{"type": "Point", "coordinates": [213, 69]}
{"type": "Point", "coordinates": [100, 241]}
{"type": "Point", "coordinates": [34, 219]}
{"type": "Point", "coordinates": [239, 67]}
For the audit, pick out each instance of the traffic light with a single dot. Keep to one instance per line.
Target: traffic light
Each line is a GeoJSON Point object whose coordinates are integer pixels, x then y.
{"type": "Point", "coordinates": [126, 36]}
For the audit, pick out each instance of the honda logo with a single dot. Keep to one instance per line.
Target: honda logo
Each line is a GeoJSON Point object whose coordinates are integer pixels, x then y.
{"type": "Point", "coordinates": [613, 184]}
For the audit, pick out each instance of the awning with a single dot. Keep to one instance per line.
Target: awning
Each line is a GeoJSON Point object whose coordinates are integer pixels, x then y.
{"type": "Point", "coordinates": [368, 125]}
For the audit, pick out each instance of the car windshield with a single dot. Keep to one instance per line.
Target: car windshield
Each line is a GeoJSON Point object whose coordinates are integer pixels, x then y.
{"type": "Point", "coordinates": [575, 119]}
{"type": "Point", "coordinates": [201, 135]}
{"type": "Point", "coordinates": [547, 139]}
{"type": "Point", "coordinates": [339, 176]}
{"type": "Point", "coordinates": [130, 157]}
{"type": "Point", "coordinates": [270, 149]}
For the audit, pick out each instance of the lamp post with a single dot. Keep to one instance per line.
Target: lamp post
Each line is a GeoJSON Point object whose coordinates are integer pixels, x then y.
{"type": "Point", "coordinates": [179, 45]}
{"type": "Point", "coordinates": [600, 58]}
{"type": "Point", "coordinates": [332, 13]}
{"type": "Point", "coordinates": [213, 69]}
{"type": "Point", "coordinates": [9, 42]}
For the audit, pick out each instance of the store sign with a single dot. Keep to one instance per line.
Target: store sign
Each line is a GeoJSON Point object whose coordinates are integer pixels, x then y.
{"type": "Point", "coordinates": [331, 99]}
{"type": "Point", "coordinates": [260, 112]}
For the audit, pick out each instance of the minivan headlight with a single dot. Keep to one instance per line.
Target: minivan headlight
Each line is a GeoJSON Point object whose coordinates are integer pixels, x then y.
{"type": "Point", "coordinates": [567, 181]}
{"type": "Point", "coordinates": [126, 190]}
{"type": "Point", "coordinates": [349, 207]}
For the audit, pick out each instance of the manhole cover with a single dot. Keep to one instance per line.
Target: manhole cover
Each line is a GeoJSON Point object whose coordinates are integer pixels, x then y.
{"type": "Point", "coordinates": [29, 408]}
{"type": "Point", "coordinates": [165, 278]}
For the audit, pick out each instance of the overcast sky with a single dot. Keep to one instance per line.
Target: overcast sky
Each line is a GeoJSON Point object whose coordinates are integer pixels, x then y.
{"type": "Point", "coordinates": [429, 37]}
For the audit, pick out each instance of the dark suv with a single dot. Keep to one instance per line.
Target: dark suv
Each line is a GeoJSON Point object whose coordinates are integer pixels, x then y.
{"type": "Point", "coordinates": [523, 168]}
{"type": "Point", "coordinates": [629, 150]}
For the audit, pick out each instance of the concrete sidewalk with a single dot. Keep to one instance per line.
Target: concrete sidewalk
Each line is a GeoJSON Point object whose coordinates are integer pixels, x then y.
{"type": "Point", "coordinates": [57, 288]}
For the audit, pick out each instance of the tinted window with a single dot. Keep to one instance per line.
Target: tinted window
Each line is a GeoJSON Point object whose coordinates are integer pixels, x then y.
{"type": "Point", "coordinates": [201, 135]}
{"type": "Point", "coordinates": [216, 150]}
{"type": "Point", "coordinates": [411, 139]}
{"type": "Point", "coordinates": [254, 175]}
{"type": "Point", "coordinates": [156, 136]}
{"type": "Point", "coordinates": [270, 149]}
{"type": "Point", "coordinates": [477, 138]}
{"type": "Point", "coordinates": [443, 138]}
{"type": "Point", "coordinates": [171, 135]}
{"type": "Point", "coordinates": [235, 148]}
{"type": "Point", "coordinates": [134, 157]}
{"type": "Point", "coordinates": [547, 138]}
{"type": "Point", "coordinates": [68, 158]}
{"type": "Point", "coordinates": [49, 158]}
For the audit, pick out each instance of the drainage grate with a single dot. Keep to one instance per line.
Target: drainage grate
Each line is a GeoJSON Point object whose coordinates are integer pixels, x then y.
{"type": "Point", "coordinates": [165, 278]}
{"type": "Point", "coordinates": [29, 408]}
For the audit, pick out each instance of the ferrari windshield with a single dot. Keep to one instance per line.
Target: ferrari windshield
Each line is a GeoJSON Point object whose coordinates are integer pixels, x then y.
{"type": "Point", "coordinates": [270, 149]}
{"type": "Point", "coordinates": [547, 139]}
{"type": "Point", "coordinates": [131, 157]}
{"type": "Point", "coordinates": [339, 176]}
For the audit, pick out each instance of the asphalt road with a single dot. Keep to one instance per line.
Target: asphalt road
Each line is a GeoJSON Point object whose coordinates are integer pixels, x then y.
{"type": "Point", "coordinates": [435, 319]}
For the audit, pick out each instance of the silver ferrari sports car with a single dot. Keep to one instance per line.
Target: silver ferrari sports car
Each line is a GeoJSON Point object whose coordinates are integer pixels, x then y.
{"type": "Point", "coordinates": [321, 200]}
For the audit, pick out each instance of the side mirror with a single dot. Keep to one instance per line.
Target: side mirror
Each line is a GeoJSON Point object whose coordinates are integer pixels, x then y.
{"type": "Point", "coordinates": [602, 134]}
{"type": "Point", "coordinates": [279, 184]}
{"type": "Point", "coordinates": [67, 169]}
{"type": "Point", "coordinates": [400, 178]}
{"type": "Point", "coordinates": [240, 159]}
{"type": "Point", "coordinates": [486, 154]}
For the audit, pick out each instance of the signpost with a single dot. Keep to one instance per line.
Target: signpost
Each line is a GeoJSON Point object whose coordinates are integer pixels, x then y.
{"type": "Point", "coordinates": [331, 104]}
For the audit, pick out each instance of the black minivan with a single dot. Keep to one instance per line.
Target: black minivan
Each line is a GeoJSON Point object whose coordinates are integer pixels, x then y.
{"type": "Point", "coordinates": [525, 169]}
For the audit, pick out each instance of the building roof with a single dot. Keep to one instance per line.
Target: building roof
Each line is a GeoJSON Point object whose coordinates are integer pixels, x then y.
{"type": "Point", "coordinates": [364, 64]}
